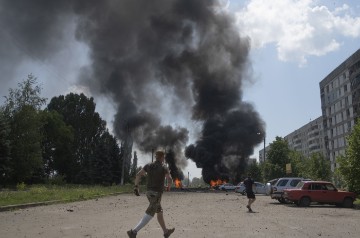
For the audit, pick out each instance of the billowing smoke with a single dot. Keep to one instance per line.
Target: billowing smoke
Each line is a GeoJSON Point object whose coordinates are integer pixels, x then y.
{"type": "Point", "coordinates": [175, 172]}
{"type": "Point", "coordinates": [162, 62]}
{"type": "Point", "coordinates": [227, 141]}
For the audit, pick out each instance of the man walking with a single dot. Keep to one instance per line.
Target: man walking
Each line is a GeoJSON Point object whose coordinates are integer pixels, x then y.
{"type": "Point", "coordinates": [249, 183]}
{"type": "Point", "coordinates": [156, 173]}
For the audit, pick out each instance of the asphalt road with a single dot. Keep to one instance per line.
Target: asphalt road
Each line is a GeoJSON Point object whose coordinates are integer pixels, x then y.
{"type": "Point", "coordinates": [193, 214]}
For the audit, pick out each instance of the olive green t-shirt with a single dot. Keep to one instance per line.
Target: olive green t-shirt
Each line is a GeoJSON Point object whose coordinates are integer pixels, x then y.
{"type": "Point", "coordinates": [156, 172]}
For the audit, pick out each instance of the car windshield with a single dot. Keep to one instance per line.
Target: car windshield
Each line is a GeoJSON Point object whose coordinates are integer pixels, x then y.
{"type": "Point", "coordinates": [299, 185]}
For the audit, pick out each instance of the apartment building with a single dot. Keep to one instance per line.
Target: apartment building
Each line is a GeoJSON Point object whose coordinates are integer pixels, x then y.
{"type": "Point", "coordinates": [308, 139]}
{"type": "Point", "coordinates": [262, 155]}
{"type": "Point", "coordinates": [340, 104]}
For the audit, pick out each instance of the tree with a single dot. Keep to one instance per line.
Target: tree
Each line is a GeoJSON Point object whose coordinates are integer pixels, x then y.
{"type": "Point", "coordinates": [5, 168]}
{"type": "Point", "coordinates": [277, 157]}
{"type": "Point", "coordinates": [25, 135]}
{"type": "Point", "coordinates": [299, 167]}
{"type": "Point", "coordinates": [349, 164]}
{"type": "Point", "coordinates": [134, 165]}
{"type": "Point", "coordinates": [21, 110]}
{"type": "Point", "coordinates": [318, 167]}
{"type": "Point", "coordinates": [106, 169]}
{"type": "Point", "coordinates": [255, 170]}
{"type": "Point", "coordinates": [57, 145]}
{"type": "Point", "coordinates": [198, 182]}
{"type": "Point", "coordinates": [27, 93]}
{"type": "Point", "coordinates": [78, 111]}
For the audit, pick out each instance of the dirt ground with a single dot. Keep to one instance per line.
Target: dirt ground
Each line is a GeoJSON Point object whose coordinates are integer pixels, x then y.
{"type": "Point", "coordinates": [193, 214]}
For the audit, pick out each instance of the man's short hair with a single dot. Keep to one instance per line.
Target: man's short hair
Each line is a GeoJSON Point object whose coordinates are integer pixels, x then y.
{"type": "Point", "coordinates": [159, 153]}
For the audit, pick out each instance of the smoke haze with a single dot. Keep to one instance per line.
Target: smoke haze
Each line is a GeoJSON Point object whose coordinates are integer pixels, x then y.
{"type": "Point", "coordinates": [182, 58]}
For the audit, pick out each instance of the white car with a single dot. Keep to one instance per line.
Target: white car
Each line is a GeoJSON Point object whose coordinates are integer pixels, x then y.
{"type": "Point", "coordinates": [227, 186]}
{"type": "Point", "coordinates": [260, 188]}
{"type": "Point", "coordinates": [284, 183]}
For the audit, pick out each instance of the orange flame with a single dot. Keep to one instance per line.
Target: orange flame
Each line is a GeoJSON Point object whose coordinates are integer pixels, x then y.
{"type": "Point", "coordinates": [214, 183]}
{"type": "Point", "coordinates": [177, 183]}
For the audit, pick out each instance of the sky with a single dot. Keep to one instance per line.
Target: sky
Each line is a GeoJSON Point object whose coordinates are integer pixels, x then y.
{"type": "Point", "coordinates": [294, 45]}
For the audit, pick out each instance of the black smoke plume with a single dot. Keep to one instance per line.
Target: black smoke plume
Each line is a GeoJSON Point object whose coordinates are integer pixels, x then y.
{"type": "Point", "coordinates": [175, 172]}
{"type": "Point", "coordinates": [162, 62]}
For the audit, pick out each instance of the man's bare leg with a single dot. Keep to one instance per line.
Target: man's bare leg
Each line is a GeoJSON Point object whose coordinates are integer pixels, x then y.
{"type": "Point", "coordinates": [160, 218]}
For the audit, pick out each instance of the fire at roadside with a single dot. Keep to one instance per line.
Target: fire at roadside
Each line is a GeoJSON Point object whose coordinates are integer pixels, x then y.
{"type": "Point", "coordinates": [213, 187]}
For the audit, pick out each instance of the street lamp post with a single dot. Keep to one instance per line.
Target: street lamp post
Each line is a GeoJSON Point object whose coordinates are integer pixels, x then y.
{"type": "Point", "coordinates": [188, 179]}
{"type": "Point", "coordinates": [259, 133]}
{"type": "Point", "coordinates": [264, 148]}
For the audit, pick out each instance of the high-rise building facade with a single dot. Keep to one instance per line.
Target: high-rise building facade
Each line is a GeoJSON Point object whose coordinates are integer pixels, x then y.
{"type": "Point", "coordinates": [308, 139]}
{"type": "Point", "coordinates": [340, 104]}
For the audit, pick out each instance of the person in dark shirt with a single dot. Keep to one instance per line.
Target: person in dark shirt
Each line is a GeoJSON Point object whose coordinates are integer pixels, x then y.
{"type": "Point", "coordinates": [156, 173]}
{"type": "Point", "coordinates": [249, 183]}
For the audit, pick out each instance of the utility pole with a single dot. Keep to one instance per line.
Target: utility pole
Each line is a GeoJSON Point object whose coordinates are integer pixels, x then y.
{"type": "Point", "coordinates": [259, 133]}
{"type": "Point", "coordinates": [152, 155]}
{"type": "Point", "coordinates": [188, 179]}
{"type": "Point", "coordinates": [264, 148]}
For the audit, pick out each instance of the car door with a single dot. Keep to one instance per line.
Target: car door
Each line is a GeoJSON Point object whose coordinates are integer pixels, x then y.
{"type": "Point", "coordinates": [317, 194]}
{"type": "Point", "coordinates": [331, 195]}
{"type": "Point", "coordinates": [260, 188]}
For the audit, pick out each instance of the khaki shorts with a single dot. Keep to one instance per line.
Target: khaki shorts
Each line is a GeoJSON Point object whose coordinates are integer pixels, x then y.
{"type": "Point", "coordinates": [154, 200]}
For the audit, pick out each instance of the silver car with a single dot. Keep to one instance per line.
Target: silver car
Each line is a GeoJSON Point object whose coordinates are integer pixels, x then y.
{"type": "Point", "coordinates": [260, 188]}
{"type": "Point", "coordinates": [227, 186]}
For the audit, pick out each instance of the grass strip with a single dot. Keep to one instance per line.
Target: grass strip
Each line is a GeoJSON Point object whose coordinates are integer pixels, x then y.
{"type": "Point", "coordinates": [45, 193]}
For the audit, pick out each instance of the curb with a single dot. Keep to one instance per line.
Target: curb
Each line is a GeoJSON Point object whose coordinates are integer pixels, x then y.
{"type": "Point", "coordinates": [36, 204]}
{"type": "Point", "coordinates": [27, 205]}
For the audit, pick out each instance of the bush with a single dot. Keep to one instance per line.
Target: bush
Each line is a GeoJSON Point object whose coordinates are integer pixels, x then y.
{"type": "Point", "coordinates": [20, 186]}
{"type": "Point", "coordinates": [57, 180]}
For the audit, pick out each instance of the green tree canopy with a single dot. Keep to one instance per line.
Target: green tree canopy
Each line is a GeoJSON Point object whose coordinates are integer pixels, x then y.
{"type": "Point", "coordinates": [276, 159]}
{"type": "Point", "coordinates": [349, 164]}
{"type": "Point", "coordinates": [27, 93]}
{"type": "Point", "coordinates": [26, 159]}
{"type": "Point", "coordinates": [5, 168]}
{"type": "Point", "coordinates": [318, 167]}
{"type": "Point", "coordinates": [255, 170]}
{"type": "Point", "coordinates": [57, 145]}
{"type": "Point", "coordinates": [21, 110]}
{"type": "Point", "coordinates": [78, 111]}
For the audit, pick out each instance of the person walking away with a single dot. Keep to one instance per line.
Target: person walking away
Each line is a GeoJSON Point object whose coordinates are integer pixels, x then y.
{"type": "Point", "coordinates": [249, 184]}
{"type": "Point", "coordinates": [156, 173]}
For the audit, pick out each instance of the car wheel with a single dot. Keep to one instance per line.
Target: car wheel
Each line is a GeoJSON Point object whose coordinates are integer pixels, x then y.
{"type": "Point", "coordinates": [305, 202]}
{"type": "Point", "coordinates": [243, 192]}
{"type": "Point", "coordinates": [282, 200]}
{"type": "Point", "coordinates": [348, 203]}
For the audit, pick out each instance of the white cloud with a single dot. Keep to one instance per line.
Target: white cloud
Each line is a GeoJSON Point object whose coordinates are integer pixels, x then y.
{"type": "Point", "coordinates": [298, 28]}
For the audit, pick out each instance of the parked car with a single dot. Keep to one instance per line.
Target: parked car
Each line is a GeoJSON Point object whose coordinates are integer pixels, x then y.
{"type": "Point", "coordinates": [227, 186]}
{"type": "Point", "coordinates": [260, 188]}
{"type": "Point", "coordinates": [284, 183]}
{"type": "Point", "coordinates": [322, 192]}
{"type": "Point", "coordinates": [269, 186]}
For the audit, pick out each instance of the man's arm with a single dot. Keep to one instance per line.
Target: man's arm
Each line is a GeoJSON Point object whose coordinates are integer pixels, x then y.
{"type": "Point", "coordinates": [141, 173]}
{"type": "Point", "coordinates": [169, 180]}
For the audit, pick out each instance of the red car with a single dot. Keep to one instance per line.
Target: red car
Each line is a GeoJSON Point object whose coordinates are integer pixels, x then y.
{"type": "Point", "coordinates": [322, 192]}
